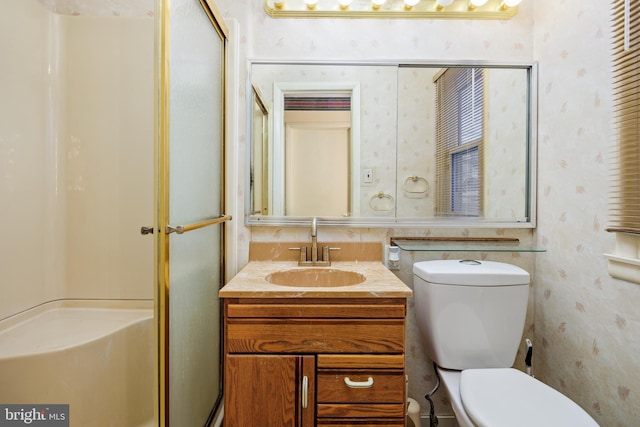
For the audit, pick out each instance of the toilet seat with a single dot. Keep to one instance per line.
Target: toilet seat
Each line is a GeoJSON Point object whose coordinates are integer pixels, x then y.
{"type": "Point", "coordinates": [509, 397]}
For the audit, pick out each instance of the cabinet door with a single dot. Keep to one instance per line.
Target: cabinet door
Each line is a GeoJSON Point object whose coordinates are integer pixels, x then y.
{"type": "Point", "coordinates": [269, 390]}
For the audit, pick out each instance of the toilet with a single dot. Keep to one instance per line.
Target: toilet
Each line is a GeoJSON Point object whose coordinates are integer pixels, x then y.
{"type": "Point", "coordinates": [471, 316]}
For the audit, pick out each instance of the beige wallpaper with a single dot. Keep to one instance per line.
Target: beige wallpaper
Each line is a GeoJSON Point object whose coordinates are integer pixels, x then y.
{"type": "Point", "coordinates": [585, 325]}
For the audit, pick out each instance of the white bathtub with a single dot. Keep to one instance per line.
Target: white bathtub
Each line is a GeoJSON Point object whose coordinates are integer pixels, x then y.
{"type": "Point", "coordinates": [96, 356]}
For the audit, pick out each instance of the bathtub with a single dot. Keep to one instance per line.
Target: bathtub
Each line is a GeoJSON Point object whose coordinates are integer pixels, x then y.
{"type": "Point", "coordinates": [96, 356]}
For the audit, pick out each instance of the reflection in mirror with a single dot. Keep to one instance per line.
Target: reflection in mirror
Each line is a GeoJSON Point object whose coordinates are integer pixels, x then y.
{"type": "Point", "coordinates": [463, 146]}
{"type": "Point", "coordinates": [317, 154]}
{"type": "Point", "coordinates": [316, 146]}
{"type": "Point", "coordinates": [259, 166]}
{"type": "Point", "coordinates": [430, 145]}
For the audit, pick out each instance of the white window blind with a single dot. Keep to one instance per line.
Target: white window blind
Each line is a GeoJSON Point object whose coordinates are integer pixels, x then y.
{"type": "Point", "coordinates": [459, 141]}
{"type": "Point", "coordinates": [624, 197]}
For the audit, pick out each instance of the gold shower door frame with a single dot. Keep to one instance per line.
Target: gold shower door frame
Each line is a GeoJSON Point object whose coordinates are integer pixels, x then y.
{"type": "Point", "coordinates": [164, 229]}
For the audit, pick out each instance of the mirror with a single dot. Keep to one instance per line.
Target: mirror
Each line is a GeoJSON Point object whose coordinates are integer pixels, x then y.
{"type": "Point", "coordinates": [422, 144]}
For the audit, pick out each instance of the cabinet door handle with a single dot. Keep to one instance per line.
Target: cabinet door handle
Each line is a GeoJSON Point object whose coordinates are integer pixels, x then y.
{"type": "Point", "coordinates": [305, 391]}
{"type": "Point", "coordinates": [358, 384]}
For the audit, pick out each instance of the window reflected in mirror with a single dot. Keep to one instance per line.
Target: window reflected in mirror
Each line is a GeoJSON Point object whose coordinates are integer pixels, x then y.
{"type": "Point", "coordinates": [460, 129]}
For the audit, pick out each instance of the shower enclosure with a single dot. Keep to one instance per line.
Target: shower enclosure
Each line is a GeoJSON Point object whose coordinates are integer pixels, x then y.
{"type": "Point", "coordinates": [111, 119]}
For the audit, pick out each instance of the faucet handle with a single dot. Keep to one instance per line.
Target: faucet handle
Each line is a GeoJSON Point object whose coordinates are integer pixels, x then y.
{"type": "Point", "coordinates": [303, 253]}
{"type": "Point", "coordinates": [325, 253]}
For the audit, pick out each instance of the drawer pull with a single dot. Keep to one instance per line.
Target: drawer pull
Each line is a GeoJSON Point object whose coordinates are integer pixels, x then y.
{"type": "Point", "coordinates": [358, 384]}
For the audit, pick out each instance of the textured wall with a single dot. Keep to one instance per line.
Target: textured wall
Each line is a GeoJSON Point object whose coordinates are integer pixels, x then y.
{"type": "Point", "coordinates": [587, 324]}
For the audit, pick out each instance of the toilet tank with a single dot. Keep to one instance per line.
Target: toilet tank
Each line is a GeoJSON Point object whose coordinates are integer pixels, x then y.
{"type": "Point", "coordinates": [470, 313]}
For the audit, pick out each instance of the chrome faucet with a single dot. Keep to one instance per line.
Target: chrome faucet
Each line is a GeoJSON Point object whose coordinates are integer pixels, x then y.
{"type": "Point", "coordinates": [322, 262]}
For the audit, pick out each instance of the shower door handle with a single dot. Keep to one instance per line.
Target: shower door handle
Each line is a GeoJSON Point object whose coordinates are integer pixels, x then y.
{"type": "Point", "coordinates": [180, 229]}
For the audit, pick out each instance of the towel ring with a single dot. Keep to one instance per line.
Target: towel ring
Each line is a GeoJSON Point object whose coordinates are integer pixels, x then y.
{"type": "Point", "coordinates": [377, 204]}
{"type": "Point", "coordinates": [416, 185]}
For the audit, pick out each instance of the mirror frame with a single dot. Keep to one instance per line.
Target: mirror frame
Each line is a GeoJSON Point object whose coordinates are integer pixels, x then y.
{"type": "Point", "coordinates": [406, 222]}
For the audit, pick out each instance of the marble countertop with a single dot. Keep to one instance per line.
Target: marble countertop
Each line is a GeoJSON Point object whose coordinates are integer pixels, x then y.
{"type": "Point", "coordinates": [250, 282]}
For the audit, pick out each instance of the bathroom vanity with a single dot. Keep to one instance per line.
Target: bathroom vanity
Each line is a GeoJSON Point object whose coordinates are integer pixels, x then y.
{"type": "Point", "coordinates": [314, 354]}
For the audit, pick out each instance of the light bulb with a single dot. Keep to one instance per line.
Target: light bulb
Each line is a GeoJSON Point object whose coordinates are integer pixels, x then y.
{"type": "Point", "coordinates": [410, 3]}
{"type": "Point", "coordinates": [311, 4]}
{"type": "Point", "coordinates": [506, 4]}
{"type": "Point", "coordinates": [443, 3]}
{"type": "Point", "coordinates": [279, 4]}
{"type": "Point", "coordinates": [344, 4]}
{"type": "Point", "coordinates": [476, 3]}
{"type": "Point", "coordinates": [377, 3]}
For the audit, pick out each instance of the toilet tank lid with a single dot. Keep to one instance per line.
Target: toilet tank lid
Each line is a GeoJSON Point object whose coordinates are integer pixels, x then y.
{"type": "Point", "coordinates": [470, 273]}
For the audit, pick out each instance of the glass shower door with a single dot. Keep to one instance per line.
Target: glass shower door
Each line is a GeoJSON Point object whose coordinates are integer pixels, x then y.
{"type": "Point", "coordinates": [191, 211]}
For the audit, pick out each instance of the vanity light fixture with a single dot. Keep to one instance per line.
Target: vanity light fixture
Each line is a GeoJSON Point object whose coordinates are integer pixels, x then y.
{"type": "Point", "coordinates": [390, 9]}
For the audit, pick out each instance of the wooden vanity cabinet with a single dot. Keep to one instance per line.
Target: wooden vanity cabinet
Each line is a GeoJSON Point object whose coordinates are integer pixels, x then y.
{"type": "Point", "coordinates": [314, 362]}
{"type": "Point", "coordinates": [266, 390]}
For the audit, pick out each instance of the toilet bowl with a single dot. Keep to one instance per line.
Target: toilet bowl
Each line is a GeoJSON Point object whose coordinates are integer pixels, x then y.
{"type": "Point", "coordinates": [471, 318]}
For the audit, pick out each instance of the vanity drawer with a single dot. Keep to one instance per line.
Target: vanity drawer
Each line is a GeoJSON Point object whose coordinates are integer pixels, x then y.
{"type": "Point", "coordinates": [361, 386]}
{"type": "Point", "coordinates": [360, 411]}
{"type": "Point", "coordinates": [361, 379]}
{"type": "Point", "coordinates": [249, 335]}
{"type": "Point", "coordinates": [289, 326]}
